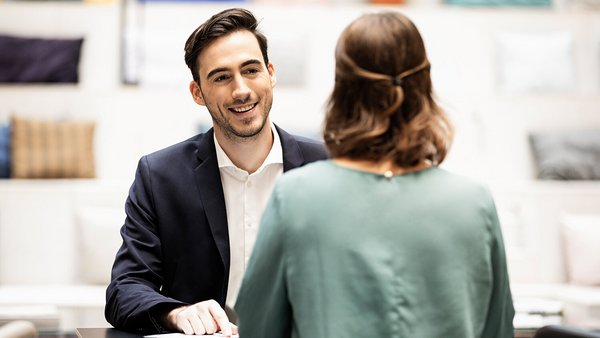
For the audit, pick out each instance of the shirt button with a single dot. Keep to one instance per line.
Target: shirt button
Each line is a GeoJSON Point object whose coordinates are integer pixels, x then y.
{"type": "Point", "coordinates": [249, 184]}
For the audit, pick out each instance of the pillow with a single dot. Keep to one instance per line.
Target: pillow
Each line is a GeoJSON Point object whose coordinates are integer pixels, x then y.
{"type": "Point", "coordinates": [98, 238]}
{"type": "Point", "coordinates": [35, 60]}
{"type": "Point", "coordinates": [47, 149]}
{"type": "Point", "coordinates": [581, 235]}
{"type": "Point", "coordinates": [567, 156]}
{"type": "Point", "coordinates": [4, 151]}
{"type": "Point", "coordinates": [530, 62]}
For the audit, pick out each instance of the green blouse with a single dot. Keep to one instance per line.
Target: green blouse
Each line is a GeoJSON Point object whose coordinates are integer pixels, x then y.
{"type": "Point", "coordinates": [347, 253]}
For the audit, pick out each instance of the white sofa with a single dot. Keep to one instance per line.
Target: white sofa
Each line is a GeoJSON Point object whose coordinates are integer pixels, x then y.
{"type": "Point", "coordinates": [18, 329]}
{"type": "Point", "coordinates": [58, 239]}
{"type": "Point", "coordinates": [542, 221]}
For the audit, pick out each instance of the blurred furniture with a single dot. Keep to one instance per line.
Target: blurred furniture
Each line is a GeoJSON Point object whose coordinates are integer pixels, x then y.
{"type": "Point", "coordinates": [57, 244]}
{"type": "Point", "coordinates": [18, 329]}
{"type": "Point", "coordinates": [535, 216]}
{"type": "Point", "coordinates": [562, 331]}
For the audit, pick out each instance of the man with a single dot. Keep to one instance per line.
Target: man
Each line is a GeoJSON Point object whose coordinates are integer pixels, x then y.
{"type": "Point", "coordinates": [194, 207]}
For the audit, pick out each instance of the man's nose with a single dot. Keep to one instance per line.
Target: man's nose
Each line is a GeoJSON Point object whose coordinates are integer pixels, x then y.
{"type": "Point", "coordinates": [241, 91]}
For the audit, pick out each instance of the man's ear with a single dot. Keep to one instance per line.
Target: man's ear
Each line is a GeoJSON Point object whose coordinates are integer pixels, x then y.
{"type": "Point", "coordinates": [197, 93]}
{"type": "Point", "coordinates": [271, 70]}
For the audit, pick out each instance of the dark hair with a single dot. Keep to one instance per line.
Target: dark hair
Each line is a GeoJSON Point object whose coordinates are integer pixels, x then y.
{"type": "Point", "coordinates": [219, 25]}
{"type": "Point", "coordinates": [382, 107]}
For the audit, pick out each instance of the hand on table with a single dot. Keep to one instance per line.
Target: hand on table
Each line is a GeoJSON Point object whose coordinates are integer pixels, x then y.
{"type": "Point", "coordinates": [205, 317]}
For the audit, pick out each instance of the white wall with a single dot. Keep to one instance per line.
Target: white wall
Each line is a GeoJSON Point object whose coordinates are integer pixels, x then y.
{"type": "Point", "coordinates": [491, 121]}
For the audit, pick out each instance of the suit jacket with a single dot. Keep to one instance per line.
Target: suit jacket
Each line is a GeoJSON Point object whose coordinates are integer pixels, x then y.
{"type": "Point", "coordinates": [175, 247]}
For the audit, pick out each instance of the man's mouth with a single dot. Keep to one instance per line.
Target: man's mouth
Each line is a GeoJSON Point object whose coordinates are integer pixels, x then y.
{"type": "Point", "coordinates": [242, 109]}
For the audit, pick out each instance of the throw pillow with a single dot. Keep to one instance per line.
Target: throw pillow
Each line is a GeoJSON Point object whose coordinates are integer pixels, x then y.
{"type": "Point", "coordinates": [4, 151]}
{"type": "Point", "coordinates": [530, 62]}
{"type": "Point", "coordinates": [36, 60]}
{"type": "Point", "coordinates": [567, 156]}
{"type": "Point", "coordinates": [581, 235]}
{"type": "Point", "coordinates": [48, 149]}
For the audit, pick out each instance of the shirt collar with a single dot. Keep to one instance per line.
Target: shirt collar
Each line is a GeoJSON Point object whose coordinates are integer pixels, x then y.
{"type": "Point", "coordinates": [275, 155]}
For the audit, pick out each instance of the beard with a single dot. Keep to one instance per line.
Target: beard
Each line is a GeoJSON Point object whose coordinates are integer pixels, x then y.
{"type": "Point", "coordinates": [240, 130]}
{"type": "Point", "coordinates": [241, 134]}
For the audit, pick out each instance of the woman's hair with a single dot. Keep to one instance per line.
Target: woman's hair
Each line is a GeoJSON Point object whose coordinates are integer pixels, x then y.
{"type": "Point", "coordinates": [381, 107]}
{"type": "Point", "coordinates": [221, 24]}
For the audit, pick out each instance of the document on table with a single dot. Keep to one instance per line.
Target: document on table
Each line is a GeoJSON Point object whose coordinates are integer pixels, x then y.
{"type": "Point", "coordinates": [181, 335]}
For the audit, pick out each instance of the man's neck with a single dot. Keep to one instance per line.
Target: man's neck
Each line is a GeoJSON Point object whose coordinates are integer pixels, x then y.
{"type": "Point", "coordinates": [248, 154]}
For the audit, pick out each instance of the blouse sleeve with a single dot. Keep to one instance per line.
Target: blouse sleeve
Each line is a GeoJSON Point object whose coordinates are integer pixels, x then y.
{"type": "Point", "coordinates": [499, 321]}
{"type": "Point", "coordinates": [262, 305]}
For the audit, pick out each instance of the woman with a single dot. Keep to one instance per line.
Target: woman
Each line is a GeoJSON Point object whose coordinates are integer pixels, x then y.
{"type": "Point", "coordinates": [379, 241]}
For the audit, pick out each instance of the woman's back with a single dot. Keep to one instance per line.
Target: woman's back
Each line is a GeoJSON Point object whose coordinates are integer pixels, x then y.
{"type": "Point", "coordinates": [416, 255]}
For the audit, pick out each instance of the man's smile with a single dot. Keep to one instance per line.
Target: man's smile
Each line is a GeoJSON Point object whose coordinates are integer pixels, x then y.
{"type": "Point", "coordinates": [243, 109]}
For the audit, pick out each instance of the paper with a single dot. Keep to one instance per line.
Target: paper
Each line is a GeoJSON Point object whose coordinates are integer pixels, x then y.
{"type": "Point", "coordinates": [181, 335]}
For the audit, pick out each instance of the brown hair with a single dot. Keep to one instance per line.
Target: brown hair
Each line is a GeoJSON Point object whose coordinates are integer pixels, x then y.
{"type": "Point", "coordinates": [382, 107]}
{"type": "Point", "coordinates": [219, 25]}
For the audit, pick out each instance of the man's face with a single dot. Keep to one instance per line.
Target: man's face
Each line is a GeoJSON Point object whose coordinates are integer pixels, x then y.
{"type": "Point", "coordinates": [235, 85]}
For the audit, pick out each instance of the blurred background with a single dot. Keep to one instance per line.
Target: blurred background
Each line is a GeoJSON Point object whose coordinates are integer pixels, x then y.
{"type": "Point", "coordinates": [89, 86]}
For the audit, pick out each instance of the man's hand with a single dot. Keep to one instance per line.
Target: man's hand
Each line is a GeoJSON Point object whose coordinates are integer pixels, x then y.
{"type": "Point", "coordinates": [201, 318]}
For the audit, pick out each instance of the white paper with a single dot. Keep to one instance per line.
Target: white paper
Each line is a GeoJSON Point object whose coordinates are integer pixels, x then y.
{"type": "Point", "coordinates": [181, 335]}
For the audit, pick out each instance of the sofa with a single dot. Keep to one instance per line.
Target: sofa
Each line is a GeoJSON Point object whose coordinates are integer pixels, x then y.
{"type": "Point", "coordinates": [551, 230]}
{"type": "Point", "coordinates": [18, 329]}
{"type": "Point", "coordinates": [58, 239]}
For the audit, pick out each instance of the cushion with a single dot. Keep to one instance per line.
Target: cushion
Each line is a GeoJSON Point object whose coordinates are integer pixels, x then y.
{"type": "Point", "coordinates": [98, 238]}
{"type": "Point", "coordinates": [567, 156]}
{"type": "Point", "coordinates": [581, 235]}
{"type": "Point", "coordinates": [519, 66]}
{"type": "Point", "coordinates": [36, 60]}
{"type": "Point", "coordinates": [4, 151]}
{"type": "Point", "coordinates": [49, 149]}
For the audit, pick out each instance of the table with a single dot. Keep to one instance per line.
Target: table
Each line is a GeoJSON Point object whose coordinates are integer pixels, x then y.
{"type": "Point", "coordinates": [114, 333]}
{"type": "Point", "coordinates": [105, 332]}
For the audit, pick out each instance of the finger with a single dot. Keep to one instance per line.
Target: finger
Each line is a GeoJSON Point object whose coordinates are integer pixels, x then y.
{"type": "Point", "coordinates": [197, 325]}
{"type": "Point", "coordinates": [207, 321]}
{"type": "Point", "coordinates": [234, 328]}
{"type": "Point", "coordinates": [184, 325]}
{"type": "Point", "coordinates": [221, 319]}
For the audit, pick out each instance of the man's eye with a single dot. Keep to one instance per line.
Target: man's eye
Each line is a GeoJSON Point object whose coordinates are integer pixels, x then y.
{"type": "Point", "coordinates": [221, 78]}
{"type": "Point", "coordinates": [251, 71]}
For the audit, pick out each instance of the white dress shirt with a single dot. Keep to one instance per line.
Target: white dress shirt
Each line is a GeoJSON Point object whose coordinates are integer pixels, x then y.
{"type": "Point", "coordinates": [246, 196]}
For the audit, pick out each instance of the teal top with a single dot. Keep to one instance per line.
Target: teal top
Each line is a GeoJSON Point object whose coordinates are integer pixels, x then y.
{"type": "Point", "coordinates": [347, 253]}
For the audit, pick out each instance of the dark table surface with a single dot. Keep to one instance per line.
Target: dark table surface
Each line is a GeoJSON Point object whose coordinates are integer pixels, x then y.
{"type": "Point", "coordinates": [105, 332]}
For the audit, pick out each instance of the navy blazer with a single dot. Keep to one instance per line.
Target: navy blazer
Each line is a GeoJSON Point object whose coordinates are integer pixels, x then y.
{"type": "Point", "coordinates": [175, 247]}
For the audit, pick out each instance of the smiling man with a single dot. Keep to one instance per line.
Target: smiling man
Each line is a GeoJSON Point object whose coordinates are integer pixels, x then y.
{"type": "Point", "coordinates": [194, 207]}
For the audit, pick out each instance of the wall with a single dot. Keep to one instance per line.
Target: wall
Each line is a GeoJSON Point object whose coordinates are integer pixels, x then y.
{"type": "Point", "coordinates": [492, 122]}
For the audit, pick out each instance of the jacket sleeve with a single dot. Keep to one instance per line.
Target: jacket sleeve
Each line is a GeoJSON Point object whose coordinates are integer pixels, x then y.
{"type": "Point", "coordinates": [262, 305]}
{"type": "Point", "coordinates": [133, 297]}
{"type": "Point", "coordinates": [501, 312]}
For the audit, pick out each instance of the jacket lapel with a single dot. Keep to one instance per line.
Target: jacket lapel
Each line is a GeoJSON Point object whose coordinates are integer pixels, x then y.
{"type": "Point", "coordinates": [208, 180]}
{"type": "Point", "coordinates": [292, 156]}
